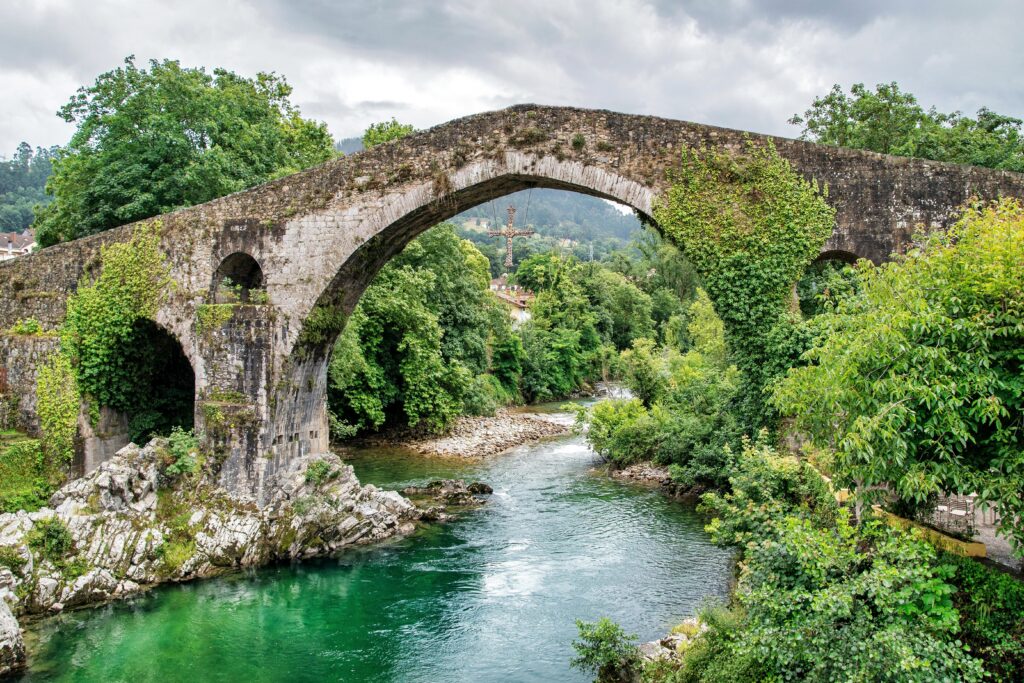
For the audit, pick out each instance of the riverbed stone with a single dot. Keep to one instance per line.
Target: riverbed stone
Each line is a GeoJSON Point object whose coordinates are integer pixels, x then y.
{"type": "Point", "coordinates": [476, 436]}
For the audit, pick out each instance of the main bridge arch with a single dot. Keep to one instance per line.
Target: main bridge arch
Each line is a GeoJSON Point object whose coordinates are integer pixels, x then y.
{"type": "Point", "coordinates": [320, 236]}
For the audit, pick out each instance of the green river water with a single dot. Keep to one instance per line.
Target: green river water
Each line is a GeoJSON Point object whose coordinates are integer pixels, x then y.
{"type": "Point", "coordinates": [490, 597]}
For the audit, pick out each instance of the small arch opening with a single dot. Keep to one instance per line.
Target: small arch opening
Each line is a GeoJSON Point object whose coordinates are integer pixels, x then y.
{"type": "Point", "coordinates": [239, 279]}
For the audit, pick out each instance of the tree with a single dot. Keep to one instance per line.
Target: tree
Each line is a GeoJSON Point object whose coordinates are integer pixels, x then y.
{"type": "Point", "coordinates": [916, 379]}
{"type": "Point", "coordinates": [622, 309]}
{"type": "Point", "coordinates": [891, 121]}
{"type": "Point", "coordinates": [388, 360]}
{"type": "Point", "coordinates": [420, 345]}
{"type": "Point", "coordinates": [385, 131]}
{"type": "Point", "coordinates": [151, 141]}
{"type": "Point", "coordinates": [23, 186]}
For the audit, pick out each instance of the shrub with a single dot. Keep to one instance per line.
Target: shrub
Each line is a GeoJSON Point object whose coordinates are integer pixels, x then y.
{"type": "Point", "coordinates": [915, 378]}
{"type": "Point", "coordinates": [27, 478]}
{"type": "Point", "coordinates": [991, 606]}
{"type": "Point", "coordinates": [318, 472]}
{"type": "Point", "coordinates": [11, 559]}
{"type": "Point", "coordinates": [609, 425]}
{"type": "Point", "coordinates": [484, 395]}
{"type": "Point", "coordinates": [605, 649]}
{"type": "Point", "coordinates": [51, 539]}
{"type": "Point", "coordinates": [766, 487]}
{"type": "Point", "coordinates": [182, 449]}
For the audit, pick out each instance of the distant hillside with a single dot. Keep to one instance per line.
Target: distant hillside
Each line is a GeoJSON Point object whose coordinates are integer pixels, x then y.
{"type": "Point", "coordinates": [557, 213]}
{"type": "Point", "coordinates": [349, 145]}
{"type": "Point", "coordinates": [569, 222]}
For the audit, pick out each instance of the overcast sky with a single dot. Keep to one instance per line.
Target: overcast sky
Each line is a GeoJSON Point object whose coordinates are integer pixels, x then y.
{"type": "Point", "coordinates": [736, 63]}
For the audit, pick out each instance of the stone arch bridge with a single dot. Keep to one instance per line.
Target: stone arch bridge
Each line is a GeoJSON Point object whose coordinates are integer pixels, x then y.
{"type": "Point", "coordinates": [314, 241]}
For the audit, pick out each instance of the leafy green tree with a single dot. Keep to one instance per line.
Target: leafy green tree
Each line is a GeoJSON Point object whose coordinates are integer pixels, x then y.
{"type": "Point", "coordinates": [420, 346]}
{"type": "Point", "coordinates": [605, 649]}
{"type": "Point", "coordinates": [623, 311]}
{"type": "Point", "coordinates": [388, 363]}
{"type": "Point", "coordinates": [645, 371]}
{"type": "Point", "coordinates": [684, 415]}
{"type": "Point", "coordinates": [917, 376]}
{"type": "Point", "coordinates": [23, 186]}
{"type": "Point", "coordinates": [385, 131]}
{"type": "Point", "coordinates": [460, 295]}
{"type": "Point", "coordinates": [891, 121]}
{"type": "Point", "coordinates": [828, 604]}
{"type": "Point", "coordinates": [151, 141]}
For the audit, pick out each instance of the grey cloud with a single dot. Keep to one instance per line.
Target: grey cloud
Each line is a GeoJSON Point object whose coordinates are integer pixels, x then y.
{"type": "Point", "coordinates": [736, 63]}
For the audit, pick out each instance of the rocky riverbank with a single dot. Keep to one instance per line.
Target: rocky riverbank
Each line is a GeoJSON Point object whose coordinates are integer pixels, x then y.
{"type": "Point", "coordinates": [658, 476]}
{"type": "Point", "coordinates": [129, 526]}
{"type": "Point", "coordinates": [475, 436]}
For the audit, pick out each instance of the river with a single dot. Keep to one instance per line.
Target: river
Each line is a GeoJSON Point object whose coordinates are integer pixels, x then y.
{"type": "Point", "coordinates": [490, 597]}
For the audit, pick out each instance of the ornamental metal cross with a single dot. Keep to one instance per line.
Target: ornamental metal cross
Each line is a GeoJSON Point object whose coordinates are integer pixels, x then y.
{"type": "Point", "coordinates": [508, 233]}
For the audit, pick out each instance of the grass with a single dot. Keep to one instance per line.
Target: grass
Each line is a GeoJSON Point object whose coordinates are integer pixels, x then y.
{"type": "Point", "coordinates": [26, 480]}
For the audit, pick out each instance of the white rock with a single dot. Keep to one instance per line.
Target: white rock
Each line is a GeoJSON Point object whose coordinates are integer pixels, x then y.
{"type": "Point", "coordinates": [12, 647]}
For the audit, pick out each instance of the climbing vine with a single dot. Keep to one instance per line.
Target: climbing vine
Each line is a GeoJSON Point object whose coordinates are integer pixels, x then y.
{"type": "Point", "coordinates": [102, 317]}
{"type": "Point", "coordinates": [749, 224]}
{"type": "Point", "coordinates": [57, 403]}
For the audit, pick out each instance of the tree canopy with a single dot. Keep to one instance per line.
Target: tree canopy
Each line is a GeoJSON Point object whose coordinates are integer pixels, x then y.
{"type": "Point", "coordinates": [891, 121]}
{"type": "Point", "coordinates": [917, 377]}
{"type": "Point", "coordinates": [23, 186]}
{"type": "Point", "coordinates": [151, 141]}
{"type": "Point", "coordinates": [385, 131]}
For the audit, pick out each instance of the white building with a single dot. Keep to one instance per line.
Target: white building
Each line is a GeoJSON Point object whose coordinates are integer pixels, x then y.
{"type": "Point", "coordinates": [517, 299]}
{"type": "Point", "coordinates": [15, 244]}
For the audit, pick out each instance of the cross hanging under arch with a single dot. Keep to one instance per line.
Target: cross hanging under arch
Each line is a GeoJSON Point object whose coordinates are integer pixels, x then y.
{"type": "Point", "coordinates": [509, 232]}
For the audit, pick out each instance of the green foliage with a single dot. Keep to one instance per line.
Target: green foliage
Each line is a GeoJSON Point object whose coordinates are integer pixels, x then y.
{"type": "Point", "coordinates": [151, 141]}
{"type": "Point", "coordinates": [27, 326]}
{"type": "Point", "coordinates": [120, 358]}
{"type": "Point", "coordinates": [614, 428]}
{"type": "Point", "coordinates": [605, 649]}
{"type": "Point", "coordinates": [916, 377]}
{"type": "Point", "coordinates": [183, 449]}
{"type": "Point", "coordinates": [684, 413]}
{"type": "Point", "coordinates": [318, 472]}
{"type": "Point", "coordinates": [991, 606]}
{"type": "Point", "coordinates": [819, 599]}
{"type": "Point", "coordinates": [645, 371]}
{"type": "Point", "coordinates": [11, 559]}
{"type": "Point", "coordinates": [102, 315]}
{"type": "Point", "coordinates": [51, 539]}
{"type": "Point", "coordinates": [822, 284]}
{"type": "Point", "coordinates": [385, 131]}
{"type": "Point", "coordinates": [176, 553]}
{"type": "Point", "coordinates": [623, 311]}
{"type": "Point", "coordinates": [829, 603]}
{"type": "Point", "coordinates": [389, 358]}
{"type": "Point", "coordinates": [891, 121]}
{"type": "Point", "coordinates": [22, 186]}
{"type": "Point", "coordinates": [765, 487]}
{"type": "Point", "coordinates": [485, 394]}
{"type": "Point", "coordinates": [712, 657]}
{"type": "Point", "coordinates": [27, 477]}
{"type": "Point", "coordinates": [212, 317]}
{"type": "Point", "coordinates": [57, 403]}
{"type": "Point", "coordinates": [749, 224]}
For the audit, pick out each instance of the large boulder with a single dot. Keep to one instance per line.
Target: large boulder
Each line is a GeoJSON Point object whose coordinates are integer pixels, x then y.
{"type": "Point", "coordinates": [12, 647]}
